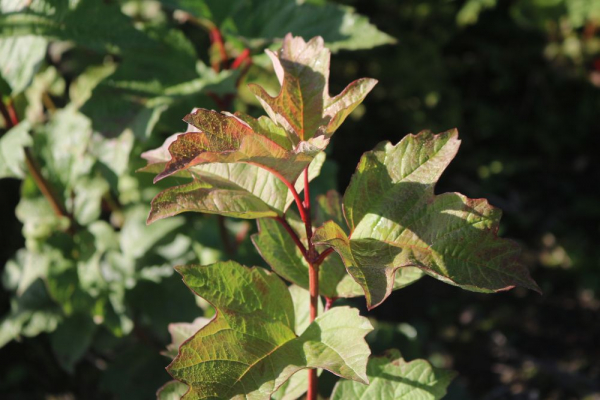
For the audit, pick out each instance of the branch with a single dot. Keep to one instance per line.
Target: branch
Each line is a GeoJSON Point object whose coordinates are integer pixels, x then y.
{"type": "Point", "coordinates": [217, 40]}
{"type": "Point", "coordinates": [323, 256]}
{"type": "Point", "coordinates": [291, 187]}
{"type": "Point", "coordinates": [11, 119]}
{"type": "Point", "coordinates": [293, 234]}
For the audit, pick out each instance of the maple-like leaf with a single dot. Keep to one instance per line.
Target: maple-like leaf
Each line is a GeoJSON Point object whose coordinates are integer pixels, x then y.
{"type": "Point", "coordinates": [250, 348]}
{"type": "Point", "coordinates": [234, 190]}
{"type": "Point", "coordinates": [397, 221]}
{"type": "Point", "coordinates": [393, 378]}
{"type": "Point", "coordinates": [233, 138]}
{"type": "Point", "coordinates": [303, 106]}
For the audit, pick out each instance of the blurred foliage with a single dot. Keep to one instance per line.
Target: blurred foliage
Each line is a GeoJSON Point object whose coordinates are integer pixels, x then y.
{"type": "Point", "coordinates": [89, 295]}
{"type": "Point", "coordinates": [86, 87]}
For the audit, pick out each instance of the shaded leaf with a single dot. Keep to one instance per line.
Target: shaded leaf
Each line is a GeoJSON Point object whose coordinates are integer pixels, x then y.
{"type": "Point", "coordinates": [341, 27]}
{"type": "Point", "coordinates": [393, 378]}
{"type": "Point", "coordinates": [250, 348]}
{"type": "Point", "coordinates": [396, 221]}
{"type": "Point", "coordinates": [71, 340]}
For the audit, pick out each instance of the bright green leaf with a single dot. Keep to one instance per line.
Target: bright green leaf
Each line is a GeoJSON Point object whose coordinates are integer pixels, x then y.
{"type": "Point", "coordinates": [396, 221]}
{"type": "Point", "coordinates": [250, 348]}
{"type": "Point", "coordinates": [12, 155]}
{"type": "Point", "coordinates": [393, 378]}
{"type": "Point", "coordinates": [20, 58]}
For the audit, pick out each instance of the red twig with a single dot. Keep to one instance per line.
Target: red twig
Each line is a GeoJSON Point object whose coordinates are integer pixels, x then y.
{"type": "Point", "coordinates": [323, 256]}
{"type": "Point", "coordinates": [329, 302]}
{"type": "Point", "coordinates": [11, 118]}
{"type": "Point", "coordinates": [291, 187]}
{"type": "Point", "coordinates": [217, 40]}
{"type": "Point", "coordinates": [244, 55]}
{"type": "Point", "coordinates": [12, 113]}
{"type": "Point", "coordinates": [5, 114]}
{"type": "Point", "coordinates": [307, 218]}
{"type": "Point", "coordinates": [293, 234]}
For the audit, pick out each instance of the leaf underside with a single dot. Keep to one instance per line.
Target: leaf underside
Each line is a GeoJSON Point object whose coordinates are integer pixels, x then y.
{"type": "Point", "coordinates": [392, 378]}
{"type": "Point", "coordinates": [250, 348]}
{"type": "Point", "coordinates": [397, 221]}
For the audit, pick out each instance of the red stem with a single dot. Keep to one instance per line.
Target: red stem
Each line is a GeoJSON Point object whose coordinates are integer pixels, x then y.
{"type": "Point", "coordinates": [307, 219]}
{"type": "Point", "coordinates": [244, 55]}
{"type": "Point", "coordinates": [217, 39]}
{"type": "Point", "coordinates": [12, 113]}
{"type": "Point", "coordinates": [293, 234]}
{"type": "Point", "coordinates": [11, 118]}
{"type": "Point", "coordinates": [329, 302]}
{"type": "Point", "coordinates": [313, 280]}
{"type": "Point", "coordinates": [292, 189]}
{"type": "Point", "coordinates": [323, 256]}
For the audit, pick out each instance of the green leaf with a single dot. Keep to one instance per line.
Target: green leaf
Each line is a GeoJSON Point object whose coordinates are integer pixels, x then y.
{"type": "Point", "coordinates": [20, 58]}
{"type": "Point", "coordinates": [12, 155]}
{"type": "Point", "coordinates": [303, 106]}
{"type": "Point", "coordinates": [172, 390]}
{"type": "Point", "coordinates": [71, 340]}
{"type": "Point", "coordinates": [250, 348]}
{"type": "Point", "coordinates": [393, 378]}
{"type": "Point", "coordinates": [236, 190]}
{"type": "Point", "coordinates": [396, 221]}
{"type": "Point", "coordinates": [75, 21]}
{"type": "Point", "coordinates": [261, 21]}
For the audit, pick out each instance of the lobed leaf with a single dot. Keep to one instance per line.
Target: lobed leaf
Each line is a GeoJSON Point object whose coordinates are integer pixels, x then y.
{"type": "Point", "coordinates": [227, 138]}
{"type": "Point", "coordinates": [396, 221]}
{"type": "Point", "coordinates": [393, 378]}
{"type": "Point", "coordinates": [303, 106]}
{"type": "Point", "coordinates": [250, 348]}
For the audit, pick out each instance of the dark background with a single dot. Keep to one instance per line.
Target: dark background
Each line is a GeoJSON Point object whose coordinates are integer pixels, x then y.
{"type": "Point", "coordinates": [530, 128]}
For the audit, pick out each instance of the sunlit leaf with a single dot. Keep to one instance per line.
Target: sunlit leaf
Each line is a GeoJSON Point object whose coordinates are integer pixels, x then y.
{"type": "Point", "coordinates": [396, 221]}
{"type": "Point", "coordinates": [393, 378]}
{"type": "Point", "coordinates": [226, 138]}
{"type": "Point", "coordinates": [12, 155]}
{"type": "Point", "coordinates": [250, 348]}
{"type": "Point", "coordinates": [303, 106]}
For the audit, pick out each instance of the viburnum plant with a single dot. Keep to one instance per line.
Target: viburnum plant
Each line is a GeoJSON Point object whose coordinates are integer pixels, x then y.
{"type": "Point", "coordinates": [269, 339]}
